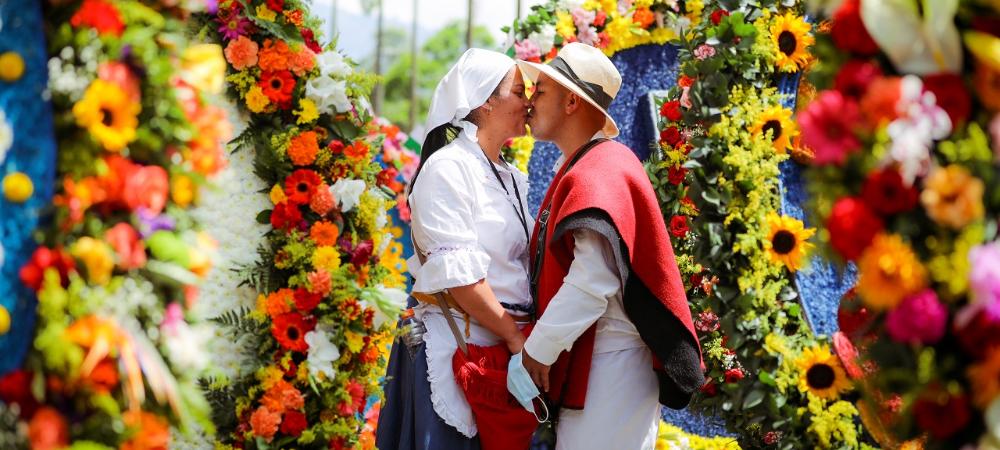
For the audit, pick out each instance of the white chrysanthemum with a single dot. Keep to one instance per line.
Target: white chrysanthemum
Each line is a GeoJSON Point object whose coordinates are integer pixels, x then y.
{"type": "Point", "coordinates": [6, 136]}
{"type": "Point", "coordinates": [328, 94]}
{"type": "Point", "coordinates": [347, 192]}
{"type": "Point", "coordinates": [322, 354]}
{"type": "Point", "coordinates": [186, 346]}
{"type": "Point", "coordinates": [544, 38]}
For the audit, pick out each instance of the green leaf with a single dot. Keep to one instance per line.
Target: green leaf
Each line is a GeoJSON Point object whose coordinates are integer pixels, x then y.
{"type": "Point", "coordinates": [754, 398]}
{"type": "Point", "coordinates": [766, 378]}
{"type": "Point", "coordinates": [264, 217]}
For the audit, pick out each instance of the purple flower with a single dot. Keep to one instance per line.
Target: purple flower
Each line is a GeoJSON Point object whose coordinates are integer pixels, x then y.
{"type": "Point", "coordinates": [150, 223]}
{"type": "Point", "coordinates": [212, 6]}
{"type": "Point", "coordinates": [984, 278]}
{"type": "Point", "coordinates": [232, 25]}
{"type": "Point", "coordinates": [704, 51]}
{"type": "Point", "coordinates": [920, 319]}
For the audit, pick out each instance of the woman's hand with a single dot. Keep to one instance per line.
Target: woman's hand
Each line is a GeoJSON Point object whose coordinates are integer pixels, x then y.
{"type": "Point", "coordinates": [515, 343]}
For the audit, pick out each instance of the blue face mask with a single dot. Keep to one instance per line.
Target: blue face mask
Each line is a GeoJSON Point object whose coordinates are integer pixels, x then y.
{"type": "Point", "coordinates": [522, 388]}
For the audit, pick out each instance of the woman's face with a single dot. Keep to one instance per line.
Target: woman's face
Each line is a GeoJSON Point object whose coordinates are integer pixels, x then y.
{"type": "Point", "coordinates": [508, 107]}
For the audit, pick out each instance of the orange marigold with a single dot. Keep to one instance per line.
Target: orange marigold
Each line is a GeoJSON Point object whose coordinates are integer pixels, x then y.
{"type": "Point", "coordinates": [274, 56]}
{"type": "Point", "coordinates": [303, 148]}
{"type": "Point", "coordinates": [280, 302]}
{"type": "Point", "coordinates": [643, 17]}
{"type": "Point", "coordinates": [282, 397]}
{"type": "Point", "coordinates": [357, 151]}
{"type": "Point", "coordinates": [324, 233]}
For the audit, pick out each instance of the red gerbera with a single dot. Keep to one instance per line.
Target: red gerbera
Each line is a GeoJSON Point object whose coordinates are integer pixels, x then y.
{"type": "Point", "coordinates": [290, 330]}
{"type": "Point", "coordinates": [301, 185]}
{"type": "Point", "coordinates": [671, 110]}
{"type": "Point", "coordinates": [278, 85]}
{"type": "Point", "coordinates": [306, 301]}
{"type": "Point", "coordinates": [285, 216]}
{"type": "Point", "coordinates": [99, 15]}
{"type": "Point", "coordinates": [32, 273]}
{"type": "Point", "coordinates": [885, 193]}
{"type": "Point", "coordinates": [294, 423]}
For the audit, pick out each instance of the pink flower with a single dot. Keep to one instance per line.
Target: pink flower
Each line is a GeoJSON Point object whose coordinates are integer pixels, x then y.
{"type": "Point", "coordinates": [583, 18]}
{"type": "Point", "coordinates": [984, 278]}
{"type": "Point", "coordinates": [130, 251]}
{"type": "Point", "coordinates": [686, 96]}
{"type": "Point", "coordinates": [242, 53]}
{"type": "Point", "coordinates": [827, 127]}
{"type": "Point", "coordinates": [147, 187]}
{"type": "Point", "coordinates": [704, 51]}
{"type": "Point", "coordinates": [319, 282]}
{"type": "Point", "coordinates": [173, 318]}
{"type": "Point", "coordinates": [302, 61]}
{"type": "Point", "coordinates": [527, 50]}
{"type": "Point", "coordinates": [588, 35]}
{"type": "Point", "coordinates": [232, 25]}
{"type": "Point", "coordinates": [920, 318]}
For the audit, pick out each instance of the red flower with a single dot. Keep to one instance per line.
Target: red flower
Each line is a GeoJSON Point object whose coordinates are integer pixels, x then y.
{"type": "Point", "coordinates": [979, 335]}
{"type": "Point", "coordinates": [707, 322]}
{"type": "Point", "coordinates": [855, 76]}
{"type": "Point", "coordinates": [285, 216]}
{"type": "Point", "coordinates": [734, 375]}
{"type": "Point", "coordinates": [678, 226]}
{"type": "Point", "coordinates": [15, 388]}
{"type": "Point", "coordinates": [336, 147]}
{"type": "Point", "coordinates": [599, 18]}
{"type": "Point", "coordinates": [852, 227]}
{"type": "Point", "coordinates": [357, 393]}
{"type": "Point", "coordinates": [387, 176]}
{"type": "Point", "coordinates": [671, 135]}
{"type": "Point", "coordinates": [717, 16]}
{"type": "Point", "coordinates": [290, 330]}
{"type": "Point", "coordinates": [676, 174]}
{"type": "Point", "coordinates": [942, 415]}
{"type": "Point", "coordinates": [301, 185]}
{"type": "Point", "coordinates": [148, 187]}
{"type": "Point", "coordinates": [276, 5]}
{"type": "Point", "coordinates": [772, 437]}
{"type": "Point", "coordinates": [294, 423]}
{"type": "Point", "coordinates": [949, 89]}
{"type": "Point", "coordinates": [849, 32]}
{"type": "Point", "coordinates": [362, 253]}
{"type": "Point", "coordinates": [310, 39]}
{"type": "Point", "coordinates": [278, 85]}
{"type": "Point", "coordinates": [685, 81]}
{"type": "Point", "coordinates": [852, 316]}
{"type": "Point", "coordinates": [671, 110]}
{"type": "Point", "coordinates": [99, 15]}
{"type": "Point", "coordinates": [710, 388]}
{"type": "Point", "coordinates": [306, 301]}
{"type": "Point", "coordinates": [32, 273]}
{"type": "Point", "coordinates": [885, 193]}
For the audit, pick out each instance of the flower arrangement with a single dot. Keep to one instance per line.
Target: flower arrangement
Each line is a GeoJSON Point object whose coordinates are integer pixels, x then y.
{"type": "Point", "coordinates": [117, 348]}
{"type": "Point", "coordinates": [328, 273]}
{"type": "Point", "coordinates": [518, 151]}
{"type": "Point", "coordinates": [724, 131]}
{"type": "Point", "coordinates": [611, 25]}
{"type": "Point", "coordinates": [905, 183]}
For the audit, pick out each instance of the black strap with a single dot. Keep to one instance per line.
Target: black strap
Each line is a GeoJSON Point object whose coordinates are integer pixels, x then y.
{"type": "Point", "coordinates": [594, 90]}
{"type": "Point", "coordinates": [519, 207]}
{"type": "Point", "coordinates": [543, 218]}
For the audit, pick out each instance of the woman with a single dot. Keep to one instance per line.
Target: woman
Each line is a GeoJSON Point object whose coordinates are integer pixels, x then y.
{"type": "Point", "coordinates": [470, 227]}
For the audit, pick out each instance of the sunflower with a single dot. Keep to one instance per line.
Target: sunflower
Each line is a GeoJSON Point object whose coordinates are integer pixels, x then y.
{"type": "Point", "coordinates": [792, 36]}
{"type": "Point", "coordinates": [779, 122]}
{"type": "Point", "coordinates": [786, 240]}
{"type": "Point", "coordinates": [107, 112]}
{"type": "Point", "coordinates": [821, 374]}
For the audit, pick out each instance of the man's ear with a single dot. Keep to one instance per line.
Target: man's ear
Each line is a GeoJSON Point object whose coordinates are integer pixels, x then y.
{"type": "Point", "coordinates": [573, 103]}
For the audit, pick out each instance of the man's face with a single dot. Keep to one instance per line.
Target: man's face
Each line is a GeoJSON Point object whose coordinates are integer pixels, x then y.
{"type": "Point", "coordinates": [547, 109]}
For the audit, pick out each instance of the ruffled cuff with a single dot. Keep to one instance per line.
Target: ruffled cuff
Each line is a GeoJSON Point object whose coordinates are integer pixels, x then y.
{"type": "Point", "coordinates": [452, 267]}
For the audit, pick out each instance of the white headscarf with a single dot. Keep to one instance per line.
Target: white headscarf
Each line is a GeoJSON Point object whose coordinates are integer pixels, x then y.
{"type": "Point", "coordinates": [467, 86]}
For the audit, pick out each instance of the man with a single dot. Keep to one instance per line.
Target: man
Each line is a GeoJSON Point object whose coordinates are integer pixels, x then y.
{"type": "Point", "coordinates": [614, 333]}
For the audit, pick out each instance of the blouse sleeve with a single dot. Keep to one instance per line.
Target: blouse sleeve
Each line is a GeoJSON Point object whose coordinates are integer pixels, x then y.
{"type": "Point", "coordinates": [443, 211]}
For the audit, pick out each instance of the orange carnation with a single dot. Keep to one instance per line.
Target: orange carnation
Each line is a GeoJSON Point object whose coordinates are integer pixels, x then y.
{"type": "Point", "coordinates": [302, 61]}
{"type": "Point", "coordinates": [280, 302]}
{"type": "Point", "coordinates": [274, 56]}
{"type": "Point", "coordinates": [265, 423]}
{"type": "Point", "coordinates": [643, 17]}
{"type": "Point", "coordinates": [324, 233]}
{"type": "Point", "coordinates": [242, 53]}
{"type": "Point", "coordinates": [303, 148]}
{"type": "Point", "coordinates": [282, 397]}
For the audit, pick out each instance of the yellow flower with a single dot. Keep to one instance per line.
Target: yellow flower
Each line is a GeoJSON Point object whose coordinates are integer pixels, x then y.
{"type": "Point", "coordinates": [786, 240]}
{"type": "Point", "coordinates": [889, 271]}
{"type": "Point", "coordinates": [354, 341]}
{"type": "Point", "coordinates": [326, 258]}
{"type": "Point", "coordinates": [609, 6]}
{"type": "Point", "coordinates": [278, 194]}
{"type": "Point", "coordinates": [182, 190]}
{"type": "Point", "coordinates": [17, 187]}
{"type": "Point", "coordinates": [97, 257]}
{"type": "Point", "coordinates": [778, 121]}
{"type": "Point", "coordinates": [792, 36]}
{"type": "Point", "coordinates": [108, 114]}
{"type": "Point", "coordinates": [265, 13]}
{"type": "Point", "coordinates": [11, 66]}
{"type": "Point", "coordinates": [269, 376]}
{"type": "Point", "coordinates": [307, 112]}
{"type": "Point", "coordinates": [953, 197]}
{"type": "Point", "coordinates": [833, 425]}
{"type": "Point", "coordinates": [564, 24]}
{"type": "Point", "coordinates": [204, 67]}
{"type": "Point", "coordinates": [256, 100]}
{"type": "Point", "coordinates": [820, 373]}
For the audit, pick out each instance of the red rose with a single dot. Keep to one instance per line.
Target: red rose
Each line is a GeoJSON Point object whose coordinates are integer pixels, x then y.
{"type": "Point", "coordinates": [671, 110]}
{"type": "Point", "coordinates": [942, 415]}
{"type": "Point", "coordinates": [852, 227]}
{"type": "Point", "coordinates": [849, 32]}
{"type": "Point", "coordinates": [980, 334]}
{"type": "Point", "coordinates": [294, 423]}
{"type": "Point", "coordinates": [285, 216]}
{"type": "Point", "coordinates": [676, 174]}
{"type": "Point", "coordinates": [310, 39]}
{"type": "Point", "coordinates": [99, 15]}
{"type": "Point", "coordinates": [32, 274]}
{"type": "Point", "coordinates": [885, 193]}
{"type": "Point", "coordinates": [710, 389]}
{"type": "Point", "coordinates": [148, 187]}
{"type": "Point", "coordinates": [734, 375]}
{"type": "Point", "coordinates": [854, 77]}
{"type": "Point", "coordinates": [678, 226]}
{"type": "Point", "coordinates": [717, 16]}
{"type": "Point", "coordinates": [671, 136]}
{"type": "Point", "coordinates": [276, 5]}
{"type": "Point", "coordinates": [306, 301]}
{"type": "Point", "coordinates": [949, 89]}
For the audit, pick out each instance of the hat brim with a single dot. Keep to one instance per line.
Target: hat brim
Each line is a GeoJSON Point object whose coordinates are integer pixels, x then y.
{"type": "Point", "coordinates": [532, 70]}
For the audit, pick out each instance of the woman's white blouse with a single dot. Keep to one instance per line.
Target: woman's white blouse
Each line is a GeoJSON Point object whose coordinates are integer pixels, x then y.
{"type": "Point", "coordinates": [468, 229]}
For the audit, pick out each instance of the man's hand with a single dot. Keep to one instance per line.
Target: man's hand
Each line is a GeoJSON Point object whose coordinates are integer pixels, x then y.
{"type": "Point", "coordinates": [539, 372]}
